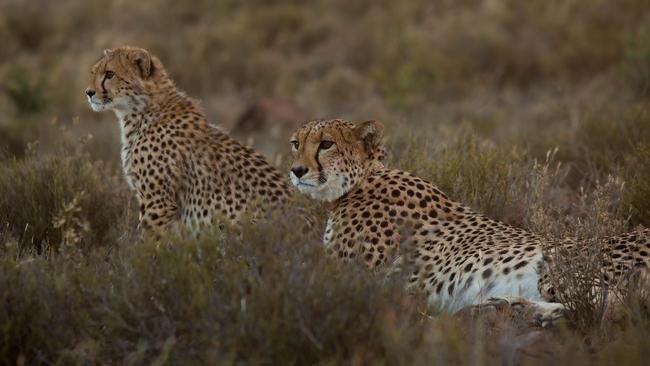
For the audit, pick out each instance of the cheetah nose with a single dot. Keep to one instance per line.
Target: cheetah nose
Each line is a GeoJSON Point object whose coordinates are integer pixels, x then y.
{"type": "Point", "coordinates": [90, 93]}
{"type": "Point", "coordinates": [299, 171]}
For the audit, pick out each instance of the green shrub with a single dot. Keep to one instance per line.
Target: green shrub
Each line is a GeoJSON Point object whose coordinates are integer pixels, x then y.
{"type": "Point", "coordinates": [637, 61]}
{"type": "Point", "coordinates": [62, 199]}
{"type": "Point", "coordinates": [637, 190]}
{"type": "Point", "coordinates": [475, 95]}
{"type": "Point", "coordinates": [259, 294]}
{"type": "Point", "coordinates": [27, 96]}
{"type": "Point", "coordinates": [254, 296]}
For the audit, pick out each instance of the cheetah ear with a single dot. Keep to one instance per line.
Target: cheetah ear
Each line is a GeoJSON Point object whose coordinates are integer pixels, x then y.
{"type": "Point", "coordinates": [108, 52]}
{"type": "Point", "coordinates": [141, 59]}
{"type": "Point", "coordinates": [370, 132]}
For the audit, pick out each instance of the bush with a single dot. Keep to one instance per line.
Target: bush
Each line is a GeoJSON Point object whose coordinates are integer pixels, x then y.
{"type": "Point", "coordinates": [487, 177]}
{"type": "Point", "coordinates": [637, 193]}
{"type": "Point", "coordinates": [250, 295]}
{"type": "Point", "coordinates": [523, 110]}
{"type": "Point", "coordinates": [230, 297]}
{"type": "Point", "coordinates": [62, 200]}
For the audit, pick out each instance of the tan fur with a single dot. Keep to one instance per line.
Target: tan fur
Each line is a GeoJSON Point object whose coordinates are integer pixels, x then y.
{"type": "Point", "coordinates": [180, 167]}
{"type": "Point", "coordinates": [459, 257]}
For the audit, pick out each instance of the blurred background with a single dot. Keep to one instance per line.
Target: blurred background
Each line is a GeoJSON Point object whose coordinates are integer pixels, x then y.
{"type": "Point", "coordinates": [534, 112]}
{"type": "Point", "coordinates": [512, 79]}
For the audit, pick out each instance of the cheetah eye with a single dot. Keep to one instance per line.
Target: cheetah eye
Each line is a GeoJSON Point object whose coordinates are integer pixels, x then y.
{"type": "Point", "coordinates": [324, 145]}
{"type": "Point", "coordinates": [295, 144]}
{"type": "Point", "coordinates": [109, 74]}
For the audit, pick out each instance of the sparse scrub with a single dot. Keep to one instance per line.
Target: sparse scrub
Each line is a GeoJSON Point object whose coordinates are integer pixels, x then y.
{"type": "Point", "coordinates": [532, 112]}
{"type": "Point", "coordinates": [637, 192]}
{"type": "Point", "coordinates": [261, 296]}
{"type": "Point", "coordinates": [487, 177]}
{"type": "Point", "coordinates": [65, 198]}
{"type": "Point", "coordinates": [579, 246]}
{"type": "Point", "coordinates": [577, 269]}
{"type": "Point", "coordinates": [606, 138]}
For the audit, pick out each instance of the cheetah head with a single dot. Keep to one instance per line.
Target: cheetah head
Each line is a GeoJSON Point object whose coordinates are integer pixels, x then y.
{"type": "Point", "coordinates": [122, 79]}
{"type": "Point", "coordinates": [330, 157]}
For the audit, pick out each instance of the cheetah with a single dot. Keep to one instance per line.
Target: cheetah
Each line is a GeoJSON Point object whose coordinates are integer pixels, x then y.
{"type": "Point", "coordinates": [459, 257]}
{"type": "Point", "coordinates": [182, 168]}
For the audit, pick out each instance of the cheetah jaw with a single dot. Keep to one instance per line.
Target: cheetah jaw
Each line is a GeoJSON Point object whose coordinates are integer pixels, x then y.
{"type": "Point", "coordinates": [329, 191]}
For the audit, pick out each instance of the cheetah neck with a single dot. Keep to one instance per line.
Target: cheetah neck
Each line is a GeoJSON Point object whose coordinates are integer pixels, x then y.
{"type": "Point", "coordinates": [131, 125]}
{"type": "Point", "coordinates": [165, 93]}
{"type": "Point", "coordinates": [143, 111]}
{"type": "Point", "coordinates": [145, 108]}
{"type": "Point", "coordinates": [133, 120]}
{"type": "Point", "coordinates": [371, 167]}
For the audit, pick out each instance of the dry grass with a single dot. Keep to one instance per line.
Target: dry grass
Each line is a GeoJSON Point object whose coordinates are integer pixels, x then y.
{"type": "Point", "coordinates": [535, 113]}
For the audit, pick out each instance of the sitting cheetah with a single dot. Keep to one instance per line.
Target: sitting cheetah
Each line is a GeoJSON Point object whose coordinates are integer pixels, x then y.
{"type": "Point", "coordinates": [459, 257]}
{"type": "Point", "coordinates": [181, 167]}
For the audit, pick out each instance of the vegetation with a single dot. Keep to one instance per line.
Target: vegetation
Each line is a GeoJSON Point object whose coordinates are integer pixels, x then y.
{"type": "Point", "coordinates": [533, 112]}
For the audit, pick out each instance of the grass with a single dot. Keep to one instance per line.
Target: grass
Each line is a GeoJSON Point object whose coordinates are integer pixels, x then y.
{"type": "Point", "coordinates": [199, 302]}
{"type": "Point", "coordinates": [77, 288]}
{"type": "Point", "coordinates": [535, 113]}
{"type": "Point", "coordinates": [485, 175]}
{"type": "Point", "coordinates": [62, 200]}
{"type": "Point", "coordinates": [638, 176]}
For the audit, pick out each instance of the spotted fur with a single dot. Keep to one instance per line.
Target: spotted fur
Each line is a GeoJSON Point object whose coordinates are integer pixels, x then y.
{"type": "Point", "coordinates": [460, 257]}
{"type": "Point", "coordinates": [181, 167]}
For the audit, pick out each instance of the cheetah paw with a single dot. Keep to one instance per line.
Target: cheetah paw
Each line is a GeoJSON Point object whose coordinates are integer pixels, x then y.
{"type": "Point", "coordinates": [547, 314]}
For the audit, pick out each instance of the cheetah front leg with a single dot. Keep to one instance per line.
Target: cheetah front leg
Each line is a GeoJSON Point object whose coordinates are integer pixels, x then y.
{"type": "Point", "coordinates": [158, 213]}
{"type": "Point", "coordinates": [539, 313]}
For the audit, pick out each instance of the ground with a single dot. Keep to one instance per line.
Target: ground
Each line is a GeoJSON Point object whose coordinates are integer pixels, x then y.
{"type": "Point", "coordinates": [535, 113]}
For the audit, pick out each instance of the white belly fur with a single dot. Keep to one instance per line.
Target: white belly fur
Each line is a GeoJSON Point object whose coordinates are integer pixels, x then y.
{"type": "Point", "coordinates": [522, 283]}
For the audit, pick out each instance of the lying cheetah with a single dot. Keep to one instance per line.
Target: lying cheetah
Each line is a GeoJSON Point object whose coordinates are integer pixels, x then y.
{"type": "Point", "coordinates": [460, 258]}
{"type": "Point", "coordinates": [181, 167]}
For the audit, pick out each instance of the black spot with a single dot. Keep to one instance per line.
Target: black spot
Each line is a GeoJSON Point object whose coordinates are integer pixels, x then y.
{"type": "Point", "coordinates": [487, 273]}
{"type": "Point", "coordinates": [520, 264]}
